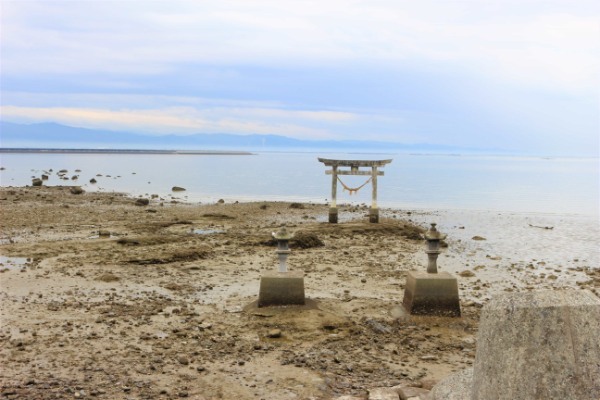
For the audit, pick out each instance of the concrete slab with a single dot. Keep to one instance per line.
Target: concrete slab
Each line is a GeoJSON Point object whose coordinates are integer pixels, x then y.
{"type": "Point", "coordinates": [281, 289]}
{"type": "Point", "coordinates": [431, 294]}
{"type": "Point", "coordinates": [539, 345]}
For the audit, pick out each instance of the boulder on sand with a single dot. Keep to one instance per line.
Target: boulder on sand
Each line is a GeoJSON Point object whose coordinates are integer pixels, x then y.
{"type": "Point", "coordinates": [36, 182]}
{"type": "Point", "coordinates": [76, 190]}
{"type": "Point", "coordinates": [177, 189]}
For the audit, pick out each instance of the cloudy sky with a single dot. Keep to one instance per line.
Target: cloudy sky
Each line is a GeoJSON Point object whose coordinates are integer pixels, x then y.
{"type": "Point", "coordinates": [519, 75]}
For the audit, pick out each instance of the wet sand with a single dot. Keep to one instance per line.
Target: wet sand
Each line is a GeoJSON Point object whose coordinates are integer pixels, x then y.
{"type": "Point", "coordinates": [103, 298]}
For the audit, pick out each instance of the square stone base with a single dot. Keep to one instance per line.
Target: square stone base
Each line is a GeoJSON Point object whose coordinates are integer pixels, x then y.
{"type": "Point", "coordinates": [431, 294]}
{"type": "Point", "coordinates": [281, 289]}
{"type": "Point", "coordinates": [333, 215]}
{"type": "Point", "coordinates": [374, 215]}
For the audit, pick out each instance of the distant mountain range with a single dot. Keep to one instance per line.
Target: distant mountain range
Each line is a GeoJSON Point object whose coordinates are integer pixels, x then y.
{"type": "Point", "coordinates": [52, 135]}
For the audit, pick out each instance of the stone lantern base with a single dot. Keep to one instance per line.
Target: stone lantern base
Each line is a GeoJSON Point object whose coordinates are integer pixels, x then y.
{"type": "Point", "coordinates": [281, 289]}
{"type": "Point", "coordinates": [431, 294]}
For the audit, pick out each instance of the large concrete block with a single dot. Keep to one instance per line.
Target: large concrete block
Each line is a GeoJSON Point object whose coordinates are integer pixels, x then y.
{"type": "Point", "coordinates": [281, 289]}
{"type": "Point", "coordinates": [539, 345]}
{"type": "Point", "coordinates": [533, 346]}
{"type": "Point", "coordinates": [431, 294]}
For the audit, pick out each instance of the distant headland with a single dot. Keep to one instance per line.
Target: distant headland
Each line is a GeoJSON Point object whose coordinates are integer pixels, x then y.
{"type": "Point", "coordinates": [126, 151]}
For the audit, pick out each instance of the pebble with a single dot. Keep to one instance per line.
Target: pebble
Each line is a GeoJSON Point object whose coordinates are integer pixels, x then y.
{"type": "Point", "coordinates": [183, 360]}
{"type": "Point", "coordinates": [274, 333]}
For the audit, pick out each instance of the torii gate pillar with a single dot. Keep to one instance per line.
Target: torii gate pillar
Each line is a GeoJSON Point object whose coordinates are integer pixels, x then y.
{"type": "Point", "coordinates": [354, 170]}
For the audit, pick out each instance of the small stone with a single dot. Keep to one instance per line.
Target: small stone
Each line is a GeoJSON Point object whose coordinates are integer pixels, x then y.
{"type": "Point", "coordinates": [36, 182]}
{"type": "Point", "coordinates": [274, 333]}
{"type": "Point", "coordinates": [478, 238]}
{"type": "Point", "coordinates": [76, 190]}
{"type": "Point", "coordinates": [142, 202]}
{"type": "Point", "coordinates": [383, 393]}
{"type": "Point", "coordinates": [408, 392]}
{"type": "Point", "coordinates": [183, 360]}
{"type": "Point", "coordinates": [467, 274]}
{"type": "Point", "coordinates": [177, 189]}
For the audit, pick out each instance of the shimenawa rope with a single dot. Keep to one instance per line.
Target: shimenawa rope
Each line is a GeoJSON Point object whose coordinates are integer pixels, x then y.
{"type": "Point", "coordinates": [350, 190]}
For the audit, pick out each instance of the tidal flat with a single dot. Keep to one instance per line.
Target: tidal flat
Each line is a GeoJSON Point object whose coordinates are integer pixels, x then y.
{"type": "Point", "coordinates": [112, 299]}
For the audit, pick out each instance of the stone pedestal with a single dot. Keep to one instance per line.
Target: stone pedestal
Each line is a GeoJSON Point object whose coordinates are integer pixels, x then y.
{"type": "Point", "coordinates": [281, 289]}
{"type": "Point", "coordinates": [431, 294]}
{"type": "Point", "coordinates": [374, 215]}
{"type": "Point", "coordinates": [535, 345]}
{"type": "Point", "coordinates": [539, 345]}
{"type": "Point", "coordinates": [333, 215]}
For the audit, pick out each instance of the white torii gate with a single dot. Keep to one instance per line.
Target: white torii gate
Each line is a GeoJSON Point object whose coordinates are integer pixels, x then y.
{"type": "Point", "coordinates": [354, 170]}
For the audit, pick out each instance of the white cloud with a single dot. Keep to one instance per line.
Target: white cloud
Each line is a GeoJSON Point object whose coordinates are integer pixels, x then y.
{"type": "Point", "coordinates": [547, 44]}
{"type": "Point", "coordinates": [188, 120]}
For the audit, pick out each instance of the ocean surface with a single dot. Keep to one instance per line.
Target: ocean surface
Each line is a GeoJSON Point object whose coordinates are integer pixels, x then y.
{"type": "Point", "coordinates": [509, 200]}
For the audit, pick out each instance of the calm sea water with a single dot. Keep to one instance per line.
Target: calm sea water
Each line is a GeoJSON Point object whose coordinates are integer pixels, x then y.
{"type": "Point", "coordinates": [541, 185]}
{"type": "Point", "coordinates": [501, 197]}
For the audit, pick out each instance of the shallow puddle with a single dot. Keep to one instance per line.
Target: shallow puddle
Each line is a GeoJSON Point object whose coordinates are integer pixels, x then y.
{"type": "Point", "coordinates": [14, 262]}
{"type": "Point", "coordinates": [206, 231]}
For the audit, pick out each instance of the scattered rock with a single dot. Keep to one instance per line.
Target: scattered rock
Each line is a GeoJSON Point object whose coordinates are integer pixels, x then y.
{"type": "Point", "coordinates": [93, 180]}
{"type": "Point", "coordinates": [128, 242]}
{"type": "Point", "coordinates": [409, 393]}
{"type": "Point", "coordinates": [478, 238]}
{"type": "Point", "coordinates": [142, 202]}
{"type": "Point", "coordinates": [466, 274]}
{"type": "Point", "coordinates": [76, 190]}
{"type": "Point", "coordinates": [178, 189]}
{"type": "Point", "coordinates": [306, 241]}
{"type": "Point", "coordinates": [383, 393]}
{"type": "Point", "coordinates": [183, 360]}
{"type": "Point", "coordinates": [107, 277]}
{"type": "Point", "coordinates": [378, 327]}
{"type": "Point", "coordinates": [274, 333]}
{"type": "Point", "coordinates": [36, 182]}
{"type": "Point", "coordinates": [299, 206]}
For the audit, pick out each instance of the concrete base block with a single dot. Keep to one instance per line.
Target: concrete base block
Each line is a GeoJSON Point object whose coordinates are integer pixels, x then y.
{"type": "Point", "coordinates": [534, 345]}
{"type": "Point", "coordinates": [374, 215]}
{"type": "Point", "coordinates": [333, 215]}
{"type": "Point", "coordinates": [431, 294]}
{"type": "Point", "coordinates": [281, 289]}
{"type": "Point", "coordinates": [539, 345]}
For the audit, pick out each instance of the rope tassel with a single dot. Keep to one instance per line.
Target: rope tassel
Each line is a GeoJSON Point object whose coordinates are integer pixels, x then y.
{"type": "Point", "coordinates": [353, 190]}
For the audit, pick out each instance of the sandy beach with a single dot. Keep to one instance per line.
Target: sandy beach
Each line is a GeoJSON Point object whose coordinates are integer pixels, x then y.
{"type": "Point", "coordinates": [105, 297]}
